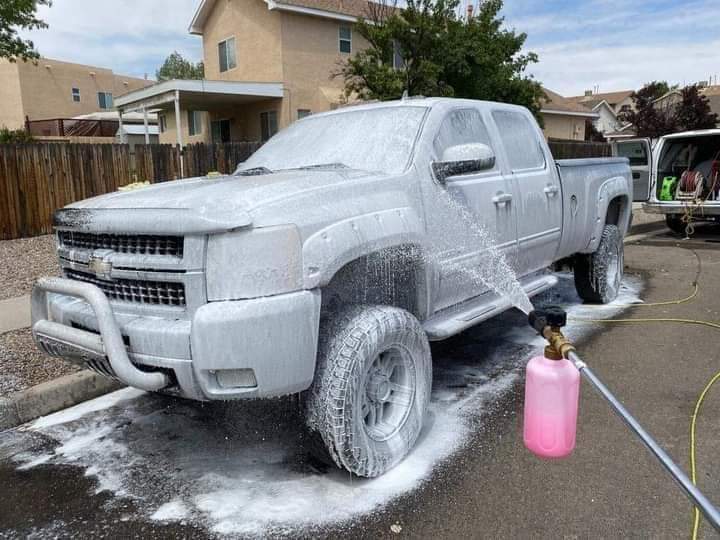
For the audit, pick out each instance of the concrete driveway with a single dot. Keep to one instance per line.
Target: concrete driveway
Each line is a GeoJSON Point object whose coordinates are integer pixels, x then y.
{"type": "Point", "coordinates": [134, 467]}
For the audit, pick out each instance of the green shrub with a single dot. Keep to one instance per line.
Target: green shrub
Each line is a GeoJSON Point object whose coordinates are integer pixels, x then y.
{"type": "Point", "coordinates": [14, 136]}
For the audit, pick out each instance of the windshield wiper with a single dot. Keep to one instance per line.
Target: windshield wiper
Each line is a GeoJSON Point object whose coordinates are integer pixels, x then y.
{"type": "Point", "coordinates": [255, 171]}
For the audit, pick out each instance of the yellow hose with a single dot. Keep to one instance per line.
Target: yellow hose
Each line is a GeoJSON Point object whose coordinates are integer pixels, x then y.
{"type": "Point", "coordinates": [701, 397]}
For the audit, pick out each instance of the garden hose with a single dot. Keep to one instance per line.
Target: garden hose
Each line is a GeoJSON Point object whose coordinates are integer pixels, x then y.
{"type": "Point", "coordinates": [708, 386]}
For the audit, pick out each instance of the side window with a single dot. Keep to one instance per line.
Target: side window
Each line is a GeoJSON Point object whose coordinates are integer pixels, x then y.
{"type": "Point", "coordinates": [345, 39]}
{"type": "Point", "coordinates": [461, 127]}
{"type": "Point", "coordinates": [634, 151]}
{"type": "Point", "coordinates": [226, 54]}
{"type": "Point", "coordinates": [76, 95]}
{"type": "Point", "coordinates": [520, 140]}
{"type": "Point", "coordinates": [268, 125]}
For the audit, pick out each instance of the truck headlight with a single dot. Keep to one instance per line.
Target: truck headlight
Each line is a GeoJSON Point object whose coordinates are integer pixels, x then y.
{"type": "Point", "coordinates": [249, 263]}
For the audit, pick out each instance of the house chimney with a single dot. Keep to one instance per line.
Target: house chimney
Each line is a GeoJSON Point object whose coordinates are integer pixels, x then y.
{"type": "Point", "coordinates": [588, 93]}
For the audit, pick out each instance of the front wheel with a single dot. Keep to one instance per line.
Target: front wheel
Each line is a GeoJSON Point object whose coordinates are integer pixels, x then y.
{"type": "Point", "coordinates": [599, 274]}
{"type": "Point", "coordinates": [372, 388]}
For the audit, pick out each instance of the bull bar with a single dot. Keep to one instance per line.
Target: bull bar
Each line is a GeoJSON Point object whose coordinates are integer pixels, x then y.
{"type": "Point", "coordinates": [108, 344]}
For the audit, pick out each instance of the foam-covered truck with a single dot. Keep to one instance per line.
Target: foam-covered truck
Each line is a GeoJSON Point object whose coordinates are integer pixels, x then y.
{"type": "Point", "coordinates": [328, 261]}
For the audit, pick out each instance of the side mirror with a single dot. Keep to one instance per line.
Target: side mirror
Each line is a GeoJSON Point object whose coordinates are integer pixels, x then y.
{"type": "Point", "coordinates": [464, 159]}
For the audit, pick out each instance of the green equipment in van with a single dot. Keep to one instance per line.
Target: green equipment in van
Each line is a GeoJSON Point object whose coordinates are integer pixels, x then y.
{"type": "Point", "coordinates": [667, 190]}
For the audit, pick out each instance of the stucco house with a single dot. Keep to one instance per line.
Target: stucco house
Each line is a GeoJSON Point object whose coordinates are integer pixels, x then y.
{"type": "Point", "coordinates": [51, 89]}
{"type": "Point", "coordinates": [673, 98]}
{"type": "Point", "coordinates": [267, 63]}
{"type": "Point", "coordinates": [564, 118]}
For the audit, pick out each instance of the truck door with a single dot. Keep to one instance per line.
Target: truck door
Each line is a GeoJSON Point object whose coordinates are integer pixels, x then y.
{"type": "Point", "coordinates": [639, 152]}
{"type": "Point", "coordinates": [537, 185]}
{"type": "Point", "coordinates": [471, 212]}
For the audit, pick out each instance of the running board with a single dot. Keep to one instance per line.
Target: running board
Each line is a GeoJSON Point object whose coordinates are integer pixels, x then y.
{"type": "Point", "coordinates": [454, 320]}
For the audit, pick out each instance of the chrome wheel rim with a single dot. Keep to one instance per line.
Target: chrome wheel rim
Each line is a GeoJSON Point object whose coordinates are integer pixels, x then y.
{"type": "Point", "coordinates": [388, 393]}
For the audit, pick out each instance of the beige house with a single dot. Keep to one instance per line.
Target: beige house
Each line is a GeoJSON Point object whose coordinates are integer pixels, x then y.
{"type": "Point", "coordinates": [619, 101]}
{"type": "Point", "coordinates": [564, 118]}
{"type": "Point", "coordinates": [674, 97]}
{"type": "Point", "coordinates": [267, 63]}
{"type": "Point", "coordinates": [51, 89]}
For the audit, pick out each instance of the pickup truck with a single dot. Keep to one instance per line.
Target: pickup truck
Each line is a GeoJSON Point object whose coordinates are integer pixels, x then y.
{"type": "Point", "coordinates": [678, 176]}
{"type": "Point", "coordinates": [311, 270]}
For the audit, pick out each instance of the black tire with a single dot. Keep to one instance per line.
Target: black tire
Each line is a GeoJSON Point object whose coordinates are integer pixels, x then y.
{"type": "Point", "coordinates": [599, 274]}
{"type": "Point", "coordinates": [675, 223]}
{"type": "Point", "coordinates": [374, 363]}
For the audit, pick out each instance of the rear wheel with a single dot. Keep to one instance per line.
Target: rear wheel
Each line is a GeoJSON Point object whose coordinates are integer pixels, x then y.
{"type": "Point", "coordinates": [599, 274]}
{"type": "Point", "coordinates": [371, 390]}
{"type": "Point", "coordinates": [675, 223]}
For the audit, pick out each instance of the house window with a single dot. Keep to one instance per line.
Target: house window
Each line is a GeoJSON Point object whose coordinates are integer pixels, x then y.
{"type": "Point", "coordinates": [268, 124]}
{"type": "Point", "coordinates": [76, 95]}
{"type": "Point", "coordinates": [163, 123]}
{"type": "Point", "coordinates": [398, 62]}
{"type": "Point", "coordinates": [226, 53]}
{"type": "Point", "coordinates": [194, 123]}
{"type": "Point", "coordinates": [345, 39]}
{"type": "Point", "coordinates": [105, 100]}
{"type": "Point", "coordinates": [625, 109]}
{"type": "Point", "coordinates": [302, 113]}
{"type": "Point", "coordinates": [220, 130]}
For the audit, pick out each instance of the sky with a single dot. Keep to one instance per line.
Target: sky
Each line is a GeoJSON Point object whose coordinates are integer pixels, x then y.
{"type": "Point", "coordinates": [582, 44]}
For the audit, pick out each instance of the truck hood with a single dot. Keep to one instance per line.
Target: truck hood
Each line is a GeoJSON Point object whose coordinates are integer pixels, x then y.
{"type": "Point", "coordinates": [200, 205]}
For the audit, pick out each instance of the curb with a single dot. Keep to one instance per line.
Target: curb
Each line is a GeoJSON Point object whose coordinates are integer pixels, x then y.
{"type": "Point", "coordinates": [52, 396]}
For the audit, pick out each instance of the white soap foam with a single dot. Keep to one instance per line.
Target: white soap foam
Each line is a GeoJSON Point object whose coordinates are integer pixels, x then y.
{"type": "Point", "coordinates": [246, 479]}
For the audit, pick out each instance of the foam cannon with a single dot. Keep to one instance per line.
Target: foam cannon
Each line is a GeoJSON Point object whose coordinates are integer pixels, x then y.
{"type": "Point", "coordinates": [552, 390]}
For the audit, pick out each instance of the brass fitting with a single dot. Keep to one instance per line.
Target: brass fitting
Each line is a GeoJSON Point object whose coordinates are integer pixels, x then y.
{"type": "Point", "coordinates": [558, 345]}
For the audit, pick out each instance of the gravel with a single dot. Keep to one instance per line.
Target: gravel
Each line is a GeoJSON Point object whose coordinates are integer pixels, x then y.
{"type": "Point", "coordinates": [23, 365]}
{"type": "Point", "coordinates": [24, 260]}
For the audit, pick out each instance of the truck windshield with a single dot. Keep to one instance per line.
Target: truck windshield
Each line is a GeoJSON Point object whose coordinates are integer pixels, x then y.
{"type": "Point", "coordinates": [378, 139]}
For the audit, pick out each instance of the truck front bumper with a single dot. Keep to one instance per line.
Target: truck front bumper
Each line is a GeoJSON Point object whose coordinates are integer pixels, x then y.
{"type": "Point", "coordinates": [709, 209]}
{"type": "Point", "coordinates": [260, 347]}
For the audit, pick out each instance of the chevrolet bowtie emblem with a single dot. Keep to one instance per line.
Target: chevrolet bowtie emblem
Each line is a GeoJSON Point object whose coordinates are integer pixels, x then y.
{"type": "Point", "coordinates": [99, 267]}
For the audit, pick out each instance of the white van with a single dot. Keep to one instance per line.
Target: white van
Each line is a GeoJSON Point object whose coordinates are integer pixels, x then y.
{"type": "Point", "coordinates": [679, 176]}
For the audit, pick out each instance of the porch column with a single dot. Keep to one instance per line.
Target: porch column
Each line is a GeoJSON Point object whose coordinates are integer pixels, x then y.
{"type": "Point", "coordinates": [120, 126]}
{"type": "Point", "coordinates": [145, 122]}
{"type": "Point", "coordinates": [178, 128]}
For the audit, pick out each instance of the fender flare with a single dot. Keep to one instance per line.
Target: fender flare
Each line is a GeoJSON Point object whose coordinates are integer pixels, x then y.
{"type": "Point", "coordinates": [331, 248]}
{"type": "Point", "coordinates": [611, 189]}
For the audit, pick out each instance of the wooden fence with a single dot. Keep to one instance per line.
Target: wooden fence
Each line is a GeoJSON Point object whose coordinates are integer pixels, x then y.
{"type": "Point", "coordinates": [562, 149]}
{"type": "Point", "coordinates": [37, 178]}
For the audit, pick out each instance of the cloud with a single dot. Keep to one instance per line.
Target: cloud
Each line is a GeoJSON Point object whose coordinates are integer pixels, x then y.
{"type": "Point", "coordinates": [132, 37]}
{"type": "Point", "coordinates": [617, 44]}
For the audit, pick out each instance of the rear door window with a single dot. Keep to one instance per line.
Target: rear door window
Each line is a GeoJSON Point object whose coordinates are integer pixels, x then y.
{"type": "Point", "coordinates": [520, 140]}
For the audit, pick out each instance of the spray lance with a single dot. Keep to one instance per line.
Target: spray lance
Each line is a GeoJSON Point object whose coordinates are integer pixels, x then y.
{"type": "Point", "coordinates": [552, 391]}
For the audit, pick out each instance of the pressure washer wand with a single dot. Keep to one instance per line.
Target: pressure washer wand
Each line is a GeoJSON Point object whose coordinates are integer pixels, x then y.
{"type": "Point", "coordinates": [549, 322]}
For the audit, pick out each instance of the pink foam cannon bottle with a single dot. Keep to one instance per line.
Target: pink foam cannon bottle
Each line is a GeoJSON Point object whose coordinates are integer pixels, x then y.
{"type": "Point", "coordinates": [552, 390]}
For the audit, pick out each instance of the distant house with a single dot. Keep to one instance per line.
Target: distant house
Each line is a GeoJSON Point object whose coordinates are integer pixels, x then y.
{"type": "Point", "coordinates": [267, 63]}
{"type": "Point", "coordinates": [564, 118]}
{"type": "Point", "coordinates": [52, 89]}
{"type": "Point", "coordinates": [620, 101]}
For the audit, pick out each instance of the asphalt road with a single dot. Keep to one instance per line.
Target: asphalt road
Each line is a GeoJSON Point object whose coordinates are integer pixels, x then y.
{"type": "Point", "coordinates": [149, 448]}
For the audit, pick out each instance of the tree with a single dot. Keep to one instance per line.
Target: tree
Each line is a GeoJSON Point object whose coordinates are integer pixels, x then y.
{"type": "Point", "coordinates": [653, 118]}
{"type": "Point", "coordinates": [15, 15]}
{"type": "Point", "coordinates": [426, 49]}
{"type": "Point", "coordinates": [592, 133]}
{"type": "Point", "coordinates": [693, 111]}
{"type": "Point", "coordinates": [176, 67]}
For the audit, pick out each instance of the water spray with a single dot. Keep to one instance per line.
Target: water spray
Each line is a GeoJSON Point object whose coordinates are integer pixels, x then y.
{"type": "Point", "coordinates": [551, 404]}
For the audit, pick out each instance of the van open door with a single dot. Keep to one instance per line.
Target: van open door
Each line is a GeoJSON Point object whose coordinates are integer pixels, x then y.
{"type": "Point", "coordinates": [639, 152]}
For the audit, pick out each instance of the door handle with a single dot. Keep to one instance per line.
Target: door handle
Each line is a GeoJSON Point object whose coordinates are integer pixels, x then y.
{"type": "Point", "coordinates": [551, 191]}
{"type": "Point", "coordinates": [502, 198]}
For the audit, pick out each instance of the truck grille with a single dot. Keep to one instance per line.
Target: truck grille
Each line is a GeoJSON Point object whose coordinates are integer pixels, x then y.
{"type": "Point", "coordinates": [134, 290]}
{"type": "Point", "coordinates": [140, 244]}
